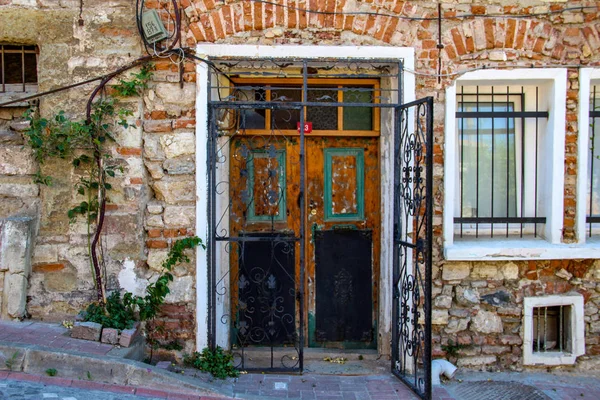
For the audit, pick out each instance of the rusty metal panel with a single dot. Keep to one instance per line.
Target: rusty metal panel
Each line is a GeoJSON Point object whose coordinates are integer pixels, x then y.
{"type": "Point", "coordinates": [343, 285]}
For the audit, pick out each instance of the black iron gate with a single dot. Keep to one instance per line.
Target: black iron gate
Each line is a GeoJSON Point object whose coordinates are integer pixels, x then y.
{"type": "Point", "coordinates": [255, 297]}
{"type": "Point", "coordinates": [413, 212]}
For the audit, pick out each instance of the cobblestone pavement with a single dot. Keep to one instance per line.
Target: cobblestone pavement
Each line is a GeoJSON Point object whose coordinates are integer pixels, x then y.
{"type": "Point", "coordinates": [17, 385]}
{"type": "Point", "coordinates": [17, 390]}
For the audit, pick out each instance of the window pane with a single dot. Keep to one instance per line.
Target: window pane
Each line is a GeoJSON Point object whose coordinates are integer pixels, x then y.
{"type": "Point", "coordinates": [13, 72]}
{"type": "Point", "coordinates": [30, 68]}
{"type": "Point", "coordinates": [251, 119]}
{"type": "Point", "coordinates": [358, 118]}
{"type": "Point", "coordinates": [488, 162]}
{"type": "Point", "coordinates": [285, 119]}
{"type": "Point", "coordinates": [323, 118]}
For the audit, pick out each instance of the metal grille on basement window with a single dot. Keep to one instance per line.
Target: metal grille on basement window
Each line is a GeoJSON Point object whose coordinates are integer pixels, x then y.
{"type": "Point", "coordinates": [18, 68]}
{"type": "Point", "coordinates": [551, 329]}
{"type": "Point", "coordinates": [593, 203]}
{"type": "Point", "coordinates": [500, 135]}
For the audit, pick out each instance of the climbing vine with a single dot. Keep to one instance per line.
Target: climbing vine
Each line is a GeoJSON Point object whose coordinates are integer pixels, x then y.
{"type": "Point", "coordinates": [85, 142]}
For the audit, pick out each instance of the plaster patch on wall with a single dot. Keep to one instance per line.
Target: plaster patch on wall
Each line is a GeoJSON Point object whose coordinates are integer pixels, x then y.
{"type": "Point", "coordinates": [129, 281]}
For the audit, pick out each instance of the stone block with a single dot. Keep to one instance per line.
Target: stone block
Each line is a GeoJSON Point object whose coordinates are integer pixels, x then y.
{"type": "Point", "coordinates": [476, 361]}
{"type": "Point", "coordinates": [510, 271]}
{"type": "Point", "coordinates": [495, 349]}
{"type": "Point", "coordinates": [17, 161]}
{"type": "Point", "coordinates": [178, 144]}
{"type": "Point", "coordinates": [15, 245]}
{"type": "Point", "coordinates": [154, 221]}
{"type": "Point", "coordinates": [466, 296]}
{"type": "Point", "coordinates": [439, 317]}
{"type": "Point", "coordinates": [175, 191]}
{"type": "Point", "coordinates": [156, 258]}
{"type": "Point", "coordinates": [176, 216]}
{"type": "Point", "coordinates": [179, 166]}
{"type": "Point", "coordinates": [16, 294]}
{"type": "Point", "coordinates": [511, 340]}
{"type": "Point", "coordinates": [110, 336]}
{"type": "Point", "coordinates": [19, 190]}
{"type": "Point", "coordinates": [443, 301]}
{"type": "Point", "coordinates": [182, 290]}
{"type": "Point", "coordinates": [154, 208]}
{"type": "Point", "coordinates": [172, 93]}
{"type": "Point", "coordinates": [487, 322]}
{"type": "Point", "coordinates": [128, 336]}
{"type": "Point", "coordinates": [484, 271]}
{"type": "Point", "coordinates": [86, 331]}
{"type": "Point", "coordinates": [500, 298]}
{"type": "Point", "coordinates": [456, 271]}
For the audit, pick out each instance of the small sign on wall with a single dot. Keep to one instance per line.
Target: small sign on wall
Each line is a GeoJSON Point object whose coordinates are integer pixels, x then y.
{"type": "Point", "coordinates": [307, 127]}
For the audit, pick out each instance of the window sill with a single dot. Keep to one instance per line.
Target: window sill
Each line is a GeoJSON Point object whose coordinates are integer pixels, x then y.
{"type": "Point", "coordinates": [518, 249]}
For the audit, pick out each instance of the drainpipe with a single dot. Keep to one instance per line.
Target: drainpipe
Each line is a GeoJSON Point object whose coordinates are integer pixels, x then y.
{"type": "Point", "coordinates": [441, 367]}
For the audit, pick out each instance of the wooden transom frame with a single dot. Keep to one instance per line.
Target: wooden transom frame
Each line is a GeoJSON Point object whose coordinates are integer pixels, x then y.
{"type": "Point", "coordinates": [331, 82]}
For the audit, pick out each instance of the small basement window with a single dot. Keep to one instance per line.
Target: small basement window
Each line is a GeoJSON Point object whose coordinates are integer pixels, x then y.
{"type": "Point", "coordinates": [553, 330]}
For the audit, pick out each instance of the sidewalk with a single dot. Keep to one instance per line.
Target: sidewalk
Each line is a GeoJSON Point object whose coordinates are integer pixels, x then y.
{"type": "Point", "coordinates": [39, 346]}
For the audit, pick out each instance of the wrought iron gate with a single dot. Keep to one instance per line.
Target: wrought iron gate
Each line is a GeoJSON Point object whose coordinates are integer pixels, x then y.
{"type": "Point", "coordinates": [413, 212]}
{"type": "Point", "coordinates": [255, 297]}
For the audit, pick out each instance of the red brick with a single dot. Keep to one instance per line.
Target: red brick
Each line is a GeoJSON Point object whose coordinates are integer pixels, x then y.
{"type": "Point", "coordinates": [88, 385]}
{"type": "Point", "coordinates": [136, 181]}
{"type": "Point", "coordinates": [539, 45]}
{"type": "Point", "coordinates": [458, 42]}
{"type": "Point", "coordinates": [478, 10]}
{"type": "Point", "coordinates": [208, 30]}
{"type": "Point", "coordinates": [247, 15]}
{"type": "Point", "coordinates": [158, 114]}
{"type": "Point", "coordinates": [157, 244]}
{"type": "Point", "coordinates": [56, 381]}
{"type": "Point", "coordinates": [217, 26]}
{"type": "Point", "coordinates": [184, 123]}
{"type": "Point", "coordinates": [510, 33]}
{"type": "Point", "coordinates": [226, 13]}
{"type": "Point", "coordinates": [158, 126]}
{"type": "Point", "coordinates": [198, 33]}
{"type": "Point", "coordinates": [489, 34]}
{"type": "Point", "coordinates": [170, 233]}
{"type": "Point", "coordinates": [120, 389]}
{"type": "Point", "coordinates": [129, 151]}
{"type": "Point", "coordinates": [257, 20]}
{"type": "Point", "coordinates": [43, 268]}
{"type": "Point", "coordinates": [154, 233]}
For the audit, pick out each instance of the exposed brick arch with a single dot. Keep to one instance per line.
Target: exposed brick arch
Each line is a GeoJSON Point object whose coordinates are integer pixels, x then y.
{"type": "Point", "coordinates": [521, 38]}
{"type": "Point", "coordinates": [210, 21]}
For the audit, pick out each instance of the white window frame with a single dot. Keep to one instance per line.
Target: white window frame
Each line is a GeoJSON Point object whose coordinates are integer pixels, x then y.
{"type": "Point", "coordinates": [548, 245]}
{"type": "Point", "coordinates": [576, 325]}
{"type": "Point", "coordinates": [589, 247]}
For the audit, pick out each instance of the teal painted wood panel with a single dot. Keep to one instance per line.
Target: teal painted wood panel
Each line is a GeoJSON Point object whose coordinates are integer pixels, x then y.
{"type": "Point", "coordinates": [357, 211]}
{"type": "Point", "coordinates": [279, 193]}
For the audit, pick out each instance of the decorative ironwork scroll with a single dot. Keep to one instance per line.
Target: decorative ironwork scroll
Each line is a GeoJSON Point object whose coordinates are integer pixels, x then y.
{"type": "Point", "coordinates": [413, 211]}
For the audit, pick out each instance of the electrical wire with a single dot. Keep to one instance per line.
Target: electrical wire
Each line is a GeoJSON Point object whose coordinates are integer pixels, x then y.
{"type": "Point", "coordinates": [404, 17]}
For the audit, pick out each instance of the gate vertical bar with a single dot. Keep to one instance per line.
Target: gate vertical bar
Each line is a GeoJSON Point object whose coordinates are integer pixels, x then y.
{"type": "Point", "coordinates": [429, 244]}
{"type": "Point", "coordinates": [300, 293]}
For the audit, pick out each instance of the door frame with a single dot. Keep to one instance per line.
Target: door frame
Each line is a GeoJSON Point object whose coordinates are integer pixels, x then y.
{"type": "Point", "coordinates": [405, 92]}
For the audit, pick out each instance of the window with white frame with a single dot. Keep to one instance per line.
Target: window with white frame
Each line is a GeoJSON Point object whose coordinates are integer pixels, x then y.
{"type": "Point", "coordinates": [504, 155]}
{"type": "Point", "coordinates": [500, 140]}
{"type": "Point", "coordinates": [593, 167]}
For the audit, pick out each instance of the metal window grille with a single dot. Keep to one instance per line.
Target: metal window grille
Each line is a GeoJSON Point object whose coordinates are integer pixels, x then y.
{"type": "Point", "coordinates": [593, 203]}
{"type": "Point", "coordinates": [499, 139]}
{"type": "Point", "coordinates": [552, 329]}
{"type": "Point", "coordinates": [18, 68]}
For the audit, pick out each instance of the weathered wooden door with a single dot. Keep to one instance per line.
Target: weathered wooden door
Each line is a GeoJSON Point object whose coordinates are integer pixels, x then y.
{"type": "Point", "coordinates": [343, 239]}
